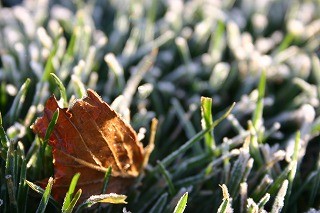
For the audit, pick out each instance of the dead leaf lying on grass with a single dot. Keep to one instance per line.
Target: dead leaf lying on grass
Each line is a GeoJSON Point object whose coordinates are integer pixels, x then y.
{"type": "Point", "coordinates": [88, 138]}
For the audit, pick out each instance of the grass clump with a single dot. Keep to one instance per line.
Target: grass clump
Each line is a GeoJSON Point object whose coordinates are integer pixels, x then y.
{"type": "Point", "coordinates": [185, 63]}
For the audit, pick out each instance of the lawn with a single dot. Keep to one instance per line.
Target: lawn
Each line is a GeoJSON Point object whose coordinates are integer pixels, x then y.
{"type": "Point", "coordinates": [223, 95]}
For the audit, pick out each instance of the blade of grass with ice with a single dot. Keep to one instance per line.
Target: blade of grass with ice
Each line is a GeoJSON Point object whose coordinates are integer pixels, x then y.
{"type": "Point", "coordinates": [226, 201]}
{"type": "Point", "coordinates": [263, 201]}
{"type": "Point", "coordinates": [103, 198]}
{"type": "Point", "coordinates": [279, 200]}
{"type": "Point", "coordinates": [293, 170]}
{"type": "Point", "coordinates": [45, 197]}
{"type": "Point", "coordinates": [40, 191]}
{"type": "Point", "coordinates": [237, 174]}
{"type": "Point", "coordinates": [182, 204]}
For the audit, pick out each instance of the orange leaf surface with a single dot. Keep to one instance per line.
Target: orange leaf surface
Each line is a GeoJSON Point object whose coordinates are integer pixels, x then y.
{"type": "Point", "coordinates": [88, 138]}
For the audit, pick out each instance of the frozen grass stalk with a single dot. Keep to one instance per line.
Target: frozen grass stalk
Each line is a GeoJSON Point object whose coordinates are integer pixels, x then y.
{"type": "Point", "coordinates": [279, 201]}
{"type": "Point", "coordinates": [225, 206]}
{"type": "Point", "coordinates": [45, 197]}
{"type": "Point", "coordinates": [182, 203]}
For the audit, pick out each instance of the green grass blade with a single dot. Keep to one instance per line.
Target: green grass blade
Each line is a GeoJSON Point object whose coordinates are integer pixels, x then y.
{"type": "Point", "coordinates": [39, 190]}
{"type": "Point", "coordinates": [116, 69]}
{"type": "Point", "coordinates": [167, 177]}
{"type": "Point", "coordinates": [50, 128]}
{"type": "Point", "coordinates": [192, 180]}
{"type": "Point", "coordinates": [243, 195]}
{"type": "Point", "coordinates": [293, 164]}
{"type": "Point", "coordinates": [182, 204]}
{"type": "Point", "coordinates": [150, 196]}
{"type": "Point", "coordinates": [170, 158]}
{"type": "Point", "coordinates": [303, 186]}
{"type": "Point", "coordinates": [252, 207]}
{"type": "Point", "coordinates": [18, 101]}
{"type": "Point", "coordinates": [184, 50]}
{"type": "Point", "coordinates": [3, 96]}
{"type": "Point", "coordinates": [315, 185]}
{"type": "Point", "coordinates": [42, 152]}
{"type": "Point", "coordinates": [70, 49]}
{"type": "Point", "coordinates": [69, 196]}
{"type": "Point", "coordinates": [149, 47]}
{"type": "Point", "coordinates": [11, 192]}
{"type": "Point", "coordinates": [106, 180]}
{"type": "Point", "coordinates": [104, 198]}
{"type": "Point", "coordinates": [151, 17]}
{"type": "Point", "coordinates": [193, 163]}
{"type": "Point", "coordinates": [237, 173]}
{"type": "Point", "coordinates": [217, 42]}
{"type": "Point", "coordinates": [257, 115]}
{"type": "Point", "coordinates": [206, 122]}
{"type": "Point", "coordinates": [226, 202]}
{"type": "Point", "coordinates": [189, 129]}
{"type": "Point", "coordinates": [247, 170]}
{"type": "Point", "coordinates": [62, 89]}
{"type": "Point", "coordinates": [316, 68]}
{"type": "Point", "coordinates": [3, 136]}
{"type": "Point", "coordinates": [49, 67]}
{"type": "Point", "coordinates": [254, 145]}
{"type": "Point", "coordinates": [23, 188]}
{"type": "Point", "coordinates": [316, 74]}
{"type": "Point", "coordinates": [17, 164]}
{"type": "Point", "coordinates": [45, 197]}
{"type": "Point", "coordinates": [10, 162]}
{"type": "Point", "coordinates": [288, 39]}
{"type": "Point", "coordinates": [160, 204]}
{"type": "Point", "coordinates": [73, 202]}
{"type": "Point", "coordinates": [263, 201]}
{"type": "Point", "coordinates": [79, 87]}
{"type": "Point", "coordinates": [279, 180]}
{"type": "Point", "coordinates": [186, 123]}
